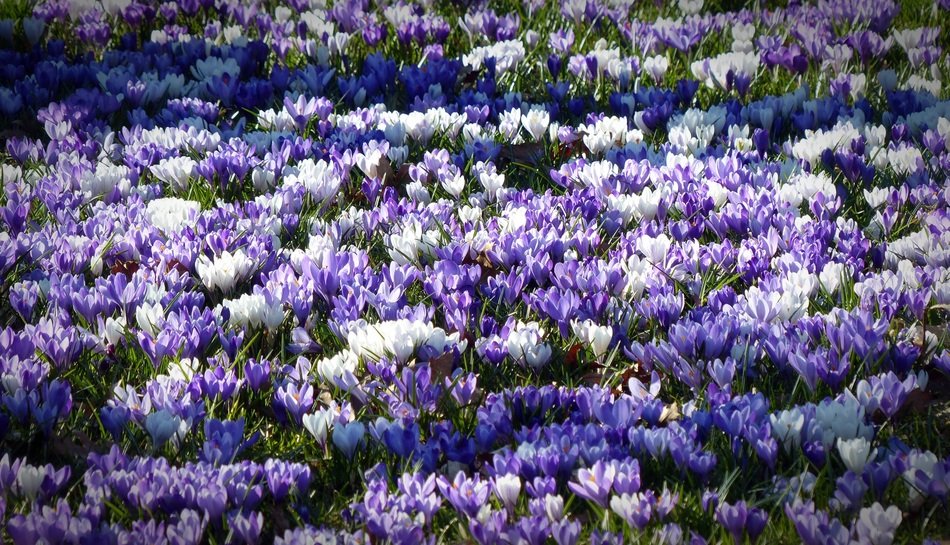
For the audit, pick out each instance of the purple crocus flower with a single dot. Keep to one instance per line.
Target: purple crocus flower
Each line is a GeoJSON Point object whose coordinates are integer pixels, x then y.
{"type": "Point", "coordinates": [733, 518]}
{"type": "Point", "coordinates": [488, 529]}
{"type": "Point", "coordinates": [247, 527]}
{"type": "Point", "coordinates": [635, 509]}
{"type": "Point", "coordinates": [188, 529]}
{"type": "Point", "coordinates": [401, 439]}
{"type": "Point", "coordinates": [293, 400]}
{"type": "Point", "coordinates": [466, 495]}
{"type": "Point", "coordinates": [815, 527]}
{"type": "Point", "coordinates": [594, 483]}
{"type": "Point", "coordinates": [566, 532]}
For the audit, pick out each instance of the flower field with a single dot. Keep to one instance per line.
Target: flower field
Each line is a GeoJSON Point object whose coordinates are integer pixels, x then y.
{"type": "Point", "coordinates": [593, 271]}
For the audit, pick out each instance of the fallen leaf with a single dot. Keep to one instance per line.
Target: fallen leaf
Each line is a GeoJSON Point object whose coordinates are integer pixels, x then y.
{"type": "Point", "coordinates": [441, 367]}
{"type": "Point", "coordinates": [571, 357]}
{"type": "Point", "coordinates": [386, 173]}
{"type": "Point", "coordinates": [529, 154]}
{"type": "Point", "coordinates": [670, 413]}
{"type": "Point", "coordinates": [178, 266]}
{"type": "Point", "coordinates": [125, 267]}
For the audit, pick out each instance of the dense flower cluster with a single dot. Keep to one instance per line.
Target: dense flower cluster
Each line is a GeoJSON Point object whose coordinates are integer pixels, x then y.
{"type": "Point", "coordinates": [498, 272]}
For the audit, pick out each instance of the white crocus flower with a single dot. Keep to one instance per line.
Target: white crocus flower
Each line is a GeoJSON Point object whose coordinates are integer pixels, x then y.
{"type": "Point", "coordinates": [787, 427]}
{"type": "Point", "coordinates": [255, 310]}
{"type": "Point", "coordinates": [655, 249]}
{"type": "Point", "coordinates": [224, 271]}
{"type": "Point", "coordinates": [175, 171]}
{"type": "Point", "coordinates": [656, 66]}
{"type": "Point", "coordinates": [596, 336]}
{"type": "Point", "coordinates": [831, 275]}
{"type": "Point", "coordinates": [454, 184]}
{"type": "Point", "coordinates": [854, 453]}
{"type": "Point", "coordinates": [337, 365]}
{"type": "Point", "coordinates": [172, 214]}
{"type": "Point", "coordinates": [318, 424]}
{"type": "Point", "coordinates": [876, 525]}
{"type": "Point", "coordinates": [536, 122]}
{"type": "Point", "coordinates": [525, 345]}
{"type": "Point", "coordinates": [29, 478]}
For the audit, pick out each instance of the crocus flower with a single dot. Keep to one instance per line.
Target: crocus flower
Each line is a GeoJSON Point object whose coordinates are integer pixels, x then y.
{"type": "Point", "coordinates": [318, 424]}
{"type": "Point", "coordinates": [466, 495]}
{"type": "Point", "coordinates": [347, 437]}
{"type": "Point", "coordinates": [594, 483]}
{"type": "Point", "coordinates": [855, 453]}
{"type": "Point", "coordinates": [733, 518]}
{"type": "Point", "coordinates": [876, 525]}
{"type": "Point", "coordinates": [162, 426]}
{"type": "Point", "coordinates": [635, 509]}
{"type": "Point", "coordinates": [507, 488]}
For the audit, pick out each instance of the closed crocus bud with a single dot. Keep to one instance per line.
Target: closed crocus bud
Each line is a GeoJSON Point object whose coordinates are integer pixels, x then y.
{"type": "Point", "coordinates": [531, 38]}
{"type": "Point", "coordinates": [161, 426]}
{"type": "Point", "coordinates": [887, 79]}
{"type": "Point", "coordinates": [566, 532]}
{"type": "Point", "coordinates": [28, 480]}
{"type": "Point", "coordinates": [831, 275]}
{"type": "Point", "coordinates": [507, 488]}
{"type": "Point", "coordinates": [598, 337]}
{"type": "Point", "coordinates": [262, 179]}
{"type": "Point", "coordinates": [756, 522]}
{"type": "Point", "coordinates": [635, 509]}
{"type": "Point", "coordinates": [6, 31]}
{"type": "Point", "coordinates": [787, 427]}
{"type": "Point", "coordinates": [398, 155]}
{"type": "Point", "coordinates": [733, 518]}
{"type": "Point", "coordinates": [538, 355]}
{"type": "Point", "coordinates": [656, 66]}
{"type": "Point", "coordinates": [318, 424]}
{"type": "Point", "coordinates": [554, 507]}
{"type": "Point", "coordinates": [536, 122]}
{"type": "Point", "coordinates": [347, 437]}
{"type": "Point", "coordinates": [454, 184]}
{"type": "Point", "coordinates": [369, 162]}
{"type": "Point", "coordinates": [33, 28]}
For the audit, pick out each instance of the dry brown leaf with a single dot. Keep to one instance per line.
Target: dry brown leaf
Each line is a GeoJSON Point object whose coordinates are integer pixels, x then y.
{"type": "Point", "coordinates": [441, 367]}
{"type": "Point", "coordinates": [529, 154]}
{"type": "Point", "coordinates": [126, 267]}
{"type": "Point", "coordinates": [670, 413]}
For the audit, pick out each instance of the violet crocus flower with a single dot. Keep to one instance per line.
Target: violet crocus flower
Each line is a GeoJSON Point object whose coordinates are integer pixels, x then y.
{"type": "Point", "coordinates": [488, 528]}
{"type": "Point", "coordinates": [466, 495]}
{"type": "Point", "coordinates": [815, 527]}
{"type": "Point", "coordinates": [566, 532]}
{"type": "Point", "coordinates": [401, 439]}
{"type": "Point", "coordinates": [247, 527]}
{"type": "Point", "coordinates": [224, 440]}
{"type": "Point", "coordinates": [849, 492]}
{"type": "Point", "coordinates": [594, 483]}
{"type": "Point", "coordinates": [733, 518]}
{"type": "Point", "coordinates": [293, 400]}
{"type": "Point", "coordinates": [257, 373]}
{"type": "Point", "coordinates": [635, 509]}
